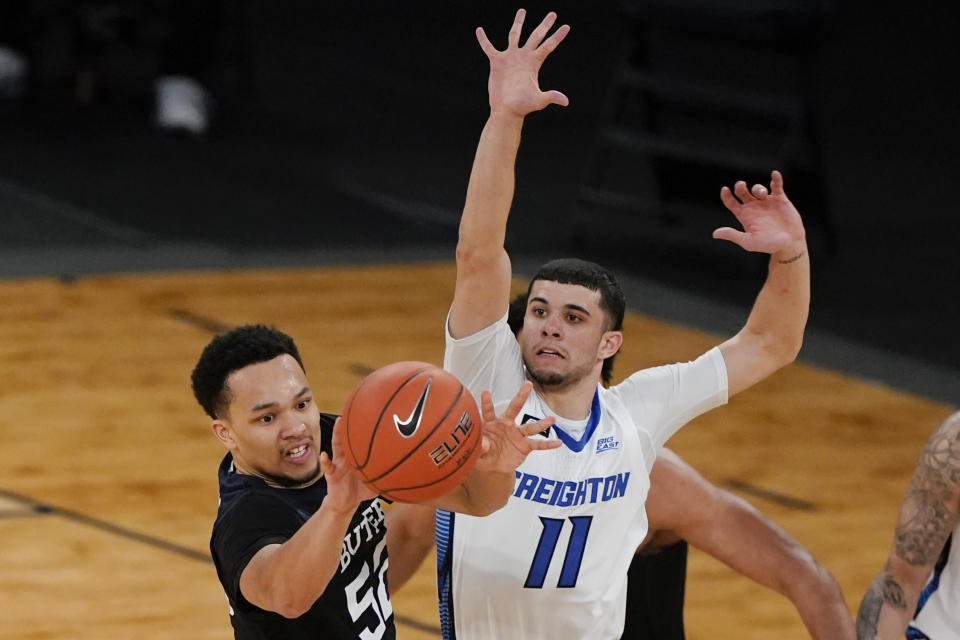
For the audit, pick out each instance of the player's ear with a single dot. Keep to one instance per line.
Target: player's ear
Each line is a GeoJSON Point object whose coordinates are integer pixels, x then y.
{"type": "Point", "coordinates": [610, 343]}
{"type": "Point", "coordinates": [223, 433]}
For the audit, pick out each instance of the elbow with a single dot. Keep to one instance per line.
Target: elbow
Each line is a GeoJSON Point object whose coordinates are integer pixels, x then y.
{"type": "Point", "coordinates": [792, 350]}
{"type": "Point", "coordinates": [292, 607]}
{"type": "Point", "coordinates": [813, 580]}
{"type": "Point", "coordinates": [783, 350]}
{"type": "Point", "coordinates": [291, 603]}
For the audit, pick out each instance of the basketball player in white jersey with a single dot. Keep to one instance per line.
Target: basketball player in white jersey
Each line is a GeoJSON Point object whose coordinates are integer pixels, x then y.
{"type": "Point", "coordinates": [553, 562]}
{"type": "Point", "coordinates": [918, 591]}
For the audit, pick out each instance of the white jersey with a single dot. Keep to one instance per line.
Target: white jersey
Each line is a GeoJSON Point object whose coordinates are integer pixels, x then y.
{"type": "Point", "coordinates": [553, 562]}
{"type": "Point", "coordinates": [938, 609]}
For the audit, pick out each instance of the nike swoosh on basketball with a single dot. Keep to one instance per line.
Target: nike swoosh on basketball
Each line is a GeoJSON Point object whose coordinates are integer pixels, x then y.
{"type": "Point", "coordinates": [409, 426]}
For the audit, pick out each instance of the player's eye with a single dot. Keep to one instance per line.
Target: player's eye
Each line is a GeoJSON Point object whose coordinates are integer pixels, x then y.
{"type": "Point", "coordinates": [266, 418]}
{"type": "Point", "coordinates": [303, 404]}
{"type": "Point", "coordinates": [572, 317]}
{"type": "Point", "coordinates": [539, 312]}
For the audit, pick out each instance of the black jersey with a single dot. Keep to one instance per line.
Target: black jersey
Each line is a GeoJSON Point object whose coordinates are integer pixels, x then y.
{"type": "Point", "coordinates": [252, 514]}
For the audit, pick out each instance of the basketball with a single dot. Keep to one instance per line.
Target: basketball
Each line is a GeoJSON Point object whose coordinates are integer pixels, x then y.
{"type": "Point", "coordinates": [412, 431]}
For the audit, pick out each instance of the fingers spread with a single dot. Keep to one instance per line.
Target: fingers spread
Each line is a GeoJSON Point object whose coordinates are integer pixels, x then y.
{"type": "Point", "coordinates": [513, 39]}
{"type": "Point", "coordinates": [740, 188]}
{"type": "Point", "coordinates": [734, 236]}
{"type": "Point", "coordinates": [551, 43]}
{"type": "Point", "coordinates": [776, 183]}
{"type": "Point", "coordinates": [337, 441]}
{"type": "Point", "coordinates": [325, 465]}
{"type": "Point", "coordinates": [486, 407]}
{"type": "Point", "coordinates": [541, 445]}
{"type": "Point", "coordinates": [728, 200]}
{"type": "Point", "coordinates": [538, 34]}
{"type": "Point", "coordinates": [535, 427]}
{"type": "Point", "coordinates": [485, 43]}
{"type": "Point", "coordinates": [555, 97]}
{"type": "Point", "coordinates": [517, 403]}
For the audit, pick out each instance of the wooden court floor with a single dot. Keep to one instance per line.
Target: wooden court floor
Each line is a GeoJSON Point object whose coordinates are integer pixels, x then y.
{"type": "Point", "coordinates": [108, 467]}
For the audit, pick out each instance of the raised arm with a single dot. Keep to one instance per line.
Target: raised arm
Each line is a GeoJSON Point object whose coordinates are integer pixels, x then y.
{"type": "Point", "coordinates": [288, 578]}
{"type": "Point", "coordinates": [683, 505]}
{"type": "Point", "coordinates": [773, 333]}
{"type": "Point", "coordinates": [483, 267]}
{"type": "Point", "coordinates": [929, 512]}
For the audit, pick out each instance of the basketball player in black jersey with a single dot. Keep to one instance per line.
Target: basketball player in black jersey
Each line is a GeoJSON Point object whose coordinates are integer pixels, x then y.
{"type": "Point", "coordinates": [299, 543]}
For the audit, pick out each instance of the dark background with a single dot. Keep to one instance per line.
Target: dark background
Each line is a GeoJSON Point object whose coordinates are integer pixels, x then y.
{"type": "Point", "coordinates": [352, 127]}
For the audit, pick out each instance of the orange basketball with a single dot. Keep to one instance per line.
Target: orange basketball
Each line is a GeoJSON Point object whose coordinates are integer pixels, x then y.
{"type": "Point", "coordinates": [412, 431]}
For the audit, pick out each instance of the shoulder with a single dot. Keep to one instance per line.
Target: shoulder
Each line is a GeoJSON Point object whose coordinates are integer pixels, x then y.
{"type": "Point", "coordinates": [939, 465]}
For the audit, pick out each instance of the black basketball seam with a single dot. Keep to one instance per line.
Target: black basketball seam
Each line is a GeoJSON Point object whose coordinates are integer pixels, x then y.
{"type": "Point", "coordinates": [425, 438]}
{"type": "Point", "coordinates": [421, 486]}
{"type": "Point", "coordinates": [376, 426]}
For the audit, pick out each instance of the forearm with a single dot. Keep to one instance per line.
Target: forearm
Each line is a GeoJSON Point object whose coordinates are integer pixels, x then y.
{"type": "Point", "coordinates": [483, 266]}
{"type": "Point", "coordinates": [885, 610]}
{"type": "Point", "coordinates": [490, 190]}
{"type": "Point", "coordinates": [290, 578]}
{"type": "Point", "coordinates": [821, 606]}
{"type": "Point", "coordinates": [410, 536]}
{"type": "Point", "coordinates": [780, 311]}
{"type": "Point", "coordinates": [773, 332]}
{"type": "Point", "coordinates": [482, 493]}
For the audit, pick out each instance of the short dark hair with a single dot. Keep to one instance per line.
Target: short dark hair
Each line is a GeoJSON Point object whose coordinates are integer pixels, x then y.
{"type": "Point", "coordinates": [515, 314]}
{"type": "Point", "coordinates": [231, 351]}
{"type": "Point", "coordinates": [593, 277]}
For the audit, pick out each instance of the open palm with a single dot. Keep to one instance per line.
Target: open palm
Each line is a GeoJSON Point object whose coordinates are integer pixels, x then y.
{"type": "Point", "coordinates": [513, 85]}
{"type": "Point", "coordinates": [770, 221]}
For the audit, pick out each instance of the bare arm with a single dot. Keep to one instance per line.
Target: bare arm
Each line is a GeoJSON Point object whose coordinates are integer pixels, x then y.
{"type": "Point", "coordinates": [773, 333]}
{"type": "Point", "coordinates": [735, 533]}
{"type": "Point", "coordinates": [410, 536]}
{"type": "Point", "coordinates": [505, 447]}
{"type": "Point", "coordinates": [288, 578]}
{"type": "Point", "coordinates": [929, 512]}
{"type": "Point", "coordinates": [483, 267]}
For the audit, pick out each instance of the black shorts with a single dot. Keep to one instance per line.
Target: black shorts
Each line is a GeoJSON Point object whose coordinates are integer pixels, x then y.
{"type": "Point", "coordinates": [655, 588]}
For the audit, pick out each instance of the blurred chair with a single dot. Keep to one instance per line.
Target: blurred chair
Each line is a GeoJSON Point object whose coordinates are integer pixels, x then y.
{"type": "Point", "coordinates": [706, 93]}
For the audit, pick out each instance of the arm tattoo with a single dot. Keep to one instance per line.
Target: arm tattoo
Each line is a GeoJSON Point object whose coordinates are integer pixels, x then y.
{"type": "Point", "coordinates": [885, 590]}
{"type": "Point", "coordinates": [868, 615]}
{"type": "Point", "coordinates": [793, 259]}
{"type": "Point", "coordinates": [931, 504]}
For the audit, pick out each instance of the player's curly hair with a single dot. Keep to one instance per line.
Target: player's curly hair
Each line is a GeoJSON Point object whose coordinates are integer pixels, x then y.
{"type": "Point", "coordinates": [592, 276]}
{"type": "Point", "coordinates": [231, 351]}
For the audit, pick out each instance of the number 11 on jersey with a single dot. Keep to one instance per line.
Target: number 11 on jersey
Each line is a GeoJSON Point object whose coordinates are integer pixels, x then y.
{"type": "Point", "coordinates": [572, 559]}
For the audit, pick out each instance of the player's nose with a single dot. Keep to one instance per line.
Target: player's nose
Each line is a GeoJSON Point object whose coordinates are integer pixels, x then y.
{"type": "Point", "coordinates": [294, 427]}
{"type": "Point", "coordinates": [551, 327]}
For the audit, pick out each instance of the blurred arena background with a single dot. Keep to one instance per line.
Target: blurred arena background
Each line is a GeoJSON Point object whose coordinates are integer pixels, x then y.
{"type": "Point", "coordinates": [324, 197]}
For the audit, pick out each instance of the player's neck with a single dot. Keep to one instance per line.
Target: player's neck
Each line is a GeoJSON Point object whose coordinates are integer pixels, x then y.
{"type": "Point", "coordinates": [573, 401]}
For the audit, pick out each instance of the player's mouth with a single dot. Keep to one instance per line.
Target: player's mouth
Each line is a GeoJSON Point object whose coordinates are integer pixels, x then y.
{"type": "Point", "coordinates": [299, 453]}
{"type": "Point", "coordinates": [550, 353]}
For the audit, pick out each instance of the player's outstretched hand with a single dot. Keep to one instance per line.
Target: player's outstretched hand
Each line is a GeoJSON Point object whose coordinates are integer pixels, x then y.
{"type": "Point", "coordinates": [505, 445]}
{"type": "Point", "coordinates": [770, 221]}
{"type": "Point", "coordinates": [345, 489]}
{"type": "Point", "coordinates": [513, 83]}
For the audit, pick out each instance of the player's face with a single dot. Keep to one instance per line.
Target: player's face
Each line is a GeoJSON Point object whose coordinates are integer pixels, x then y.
{"type": "Point", "coordinates": [563, 339]}
{"type": "Point", "coordinates": [273, 425]}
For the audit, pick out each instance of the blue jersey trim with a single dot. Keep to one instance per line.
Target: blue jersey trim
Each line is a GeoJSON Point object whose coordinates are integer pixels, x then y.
{"type": "Point", "coordinates": [578, 445]}
{"type": "Point", "coordinates": [912, 632]}
{"type": "Point", "coordinates": [444, 537]}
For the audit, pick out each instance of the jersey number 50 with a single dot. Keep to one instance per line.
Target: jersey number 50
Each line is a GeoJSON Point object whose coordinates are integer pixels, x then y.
{"type": "Point", "coordinates": [548, 544]}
